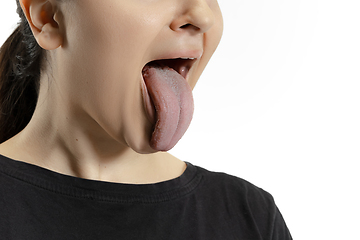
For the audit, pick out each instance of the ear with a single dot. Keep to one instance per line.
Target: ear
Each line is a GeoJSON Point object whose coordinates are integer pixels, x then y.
{"type": "Point", "coordinates": [41, 17]}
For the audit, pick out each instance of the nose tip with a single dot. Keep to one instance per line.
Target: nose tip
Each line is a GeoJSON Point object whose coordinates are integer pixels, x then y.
{"type": "Point", "coordinates": [197, 15]}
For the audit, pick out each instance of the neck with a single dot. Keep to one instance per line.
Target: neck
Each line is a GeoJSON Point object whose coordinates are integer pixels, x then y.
{"type": "Point", "coordinates": [65, 140]}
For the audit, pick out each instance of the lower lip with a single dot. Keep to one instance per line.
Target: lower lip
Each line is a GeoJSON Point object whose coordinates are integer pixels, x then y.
{"type": "Point", "coordinates": [149, 106]}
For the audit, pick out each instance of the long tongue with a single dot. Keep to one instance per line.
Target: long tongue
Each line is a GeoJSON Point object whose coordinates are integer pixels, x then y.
{"type": "Point", "coordinates": [173, 102]}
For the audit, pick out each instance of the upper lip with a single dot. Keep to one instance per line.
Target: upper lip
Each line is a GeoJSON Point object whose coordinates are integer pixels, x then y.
{"type": "Point", "coordinates": [194, 53]}
{"type": "Point", "coordinates": [181, 62]}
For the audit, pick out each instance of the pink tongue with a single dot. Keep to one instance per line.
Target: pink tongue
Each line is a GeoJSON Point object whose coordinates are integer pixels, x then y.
{"type": "Point", "coordinates": [173, 101]}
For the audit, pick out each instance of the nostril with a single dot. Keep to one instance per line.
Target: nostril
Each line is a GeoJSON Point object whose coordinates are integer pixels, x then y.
{"type": "Point", "coordinates": [196, 15]}
{"type": "Point", "coordinates": [186, 25]}
{"type": "Point", "coordinates": [189, 26]}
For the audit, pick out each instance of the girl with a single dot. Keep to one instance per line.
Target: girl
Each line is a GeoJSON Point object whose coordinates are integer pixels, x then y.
{"type": "Point", "coordinates": [92, 96]}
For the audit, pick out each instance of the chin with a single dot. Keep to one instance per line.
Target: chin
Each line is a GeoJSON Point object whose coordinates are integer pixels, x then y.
{"type": "Point", "coordinates": [144, 150]}
{"type": "Point", "coordinates": [140, 145]}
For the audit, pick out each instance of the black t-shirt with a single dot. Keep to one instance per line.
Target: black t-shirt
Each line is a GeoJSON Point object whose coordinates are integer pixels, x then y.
{"type": "Point", "coordinates": [39, 204]}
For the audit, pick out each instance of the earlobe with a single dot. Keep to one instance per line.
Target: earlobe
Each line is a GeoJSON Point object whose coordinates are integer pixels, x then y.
{"type": "Point", "coordinates": [40, 15]}
{"type": "Point", "coordinates": [49, 38]}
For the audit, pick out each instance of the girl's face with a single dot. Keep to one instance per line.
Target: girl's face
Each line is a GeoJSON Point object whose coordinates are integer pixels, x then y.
{"type": "Point", "coordinates": [107, 44]}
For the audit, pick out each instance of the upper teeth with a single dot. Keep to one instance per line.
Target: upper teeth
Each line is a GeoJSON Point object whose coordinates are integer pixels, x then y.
{"type": "Point", "coordinates": [188, 58]}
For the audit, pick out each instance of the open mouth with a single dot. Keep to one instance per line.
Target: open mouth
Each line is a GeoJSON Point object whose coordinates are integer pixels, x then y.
{"type": "Point", "coordinates": [180, 65]}
{"type": "Point", "coordinates": [168, 100]}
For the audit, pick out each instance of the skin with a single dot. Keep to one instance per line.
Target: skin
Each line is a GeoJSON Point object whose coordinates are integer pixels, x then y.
{"type": "Point", "coordinates": [90, 119]}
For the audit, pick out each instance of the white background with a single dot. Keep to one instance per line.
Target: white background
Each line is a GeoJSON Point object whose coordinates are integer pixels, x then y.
{"type": "Point", "coordinates": [279, 105]}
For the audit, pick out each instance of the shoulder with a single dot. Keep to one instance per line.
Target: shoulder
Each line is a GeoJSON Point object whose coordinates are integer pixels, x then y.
{"type": "Point", "coordinates": [234, 187]}
{"type": "Point", "coordinates": [244, 203]}
{"type": "Point", "coordinates": [242, 199]}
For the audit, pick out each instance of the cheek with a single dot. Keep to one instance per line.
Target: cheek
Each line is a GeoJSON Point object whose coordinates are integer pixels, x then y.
{"type": "Point", "coordinates": [104, 56]}
{"type": "Point", "coordinates": [116, 29]}
{"type": "Point", "coordinates": [104, 50]}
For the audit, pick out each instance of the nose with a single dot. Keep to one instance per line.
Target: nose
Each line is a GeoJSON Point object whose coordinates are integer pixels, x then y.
{"type": "Point", "coordinates": [194, 15]}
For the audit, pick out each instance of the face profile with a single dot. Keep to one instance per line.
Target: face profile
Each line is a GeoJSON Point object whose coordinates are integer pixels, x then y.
{"type": "Point", "coordinates": [106, 46]}
{"type": "Point", "coordinates": [106, 91]}
{"type": "Point", "coordinates": [115, 80]}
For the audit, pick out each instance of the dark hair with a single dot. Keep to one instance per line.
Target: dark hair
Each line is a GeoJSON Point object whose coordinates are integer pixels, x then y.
{"type": "Point", "coordinates": [20, 65]}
